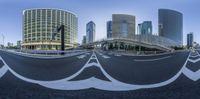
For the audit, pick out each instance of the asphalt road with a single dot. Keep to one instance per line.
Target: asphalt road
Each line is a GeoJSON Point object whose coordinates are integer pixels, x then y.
{"type": "Point", "coordinates": [43, 69]}
{"type": "Point", "coordinates": [147, 70]}
{"type": "Point", "coordinates": [140, 70]}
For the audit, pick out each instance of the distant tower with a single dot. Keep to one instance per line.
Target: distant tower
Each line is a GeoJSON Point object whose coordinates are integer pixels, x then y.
{"type": "Point", "coordinates": [171, 25]}
{"type": "Point", "coordinates": [84, 40]}
{"type": "Point", "coordinates": [123, 26]}
{"type": "Point", "coordinates": [109, 29]}
{"type": "Point", "coordinates": [189, 40]}
{"type": "Point", "coordinates": [139, 28]}
{"type": "Point", "coordinates": [146, 28]}
{"type": "Point", "coordinates": [90, 32]}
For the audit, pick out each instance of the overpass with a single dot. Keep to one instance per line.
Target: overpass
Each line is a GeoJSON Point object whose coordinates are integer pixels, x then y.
{"type": "Point", "coordinates": [144, 41]}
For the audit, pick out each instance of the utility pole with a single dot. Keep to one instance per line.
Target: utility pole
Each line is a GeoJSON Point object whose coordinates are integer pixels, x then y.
{"type": "Point", "coordinates": [3, 37]}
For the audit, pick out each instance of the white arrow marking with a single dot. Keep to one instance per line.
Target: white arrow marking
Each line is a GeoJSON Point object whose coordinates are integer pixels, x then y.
{"type": "Point", "coordinates": [194, 61]}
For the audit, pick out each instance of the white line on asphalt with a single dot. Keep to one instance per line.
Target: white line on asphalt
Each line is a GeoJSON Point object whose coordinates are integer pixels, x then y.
{"type": "Point", "coordinates": [112, 85]}
{"type": "Point", "coordinates": [144, 60]}
{"type": "Point", "coordinates": [118, 55]}
{"type": "Point", "coordinates": [105, 56]}
{"type": "Point", "coordinates": [194, 56]}
{"type": "Point", "coordinates": [194, 60]}
{"type": "Point", "coordinates": [81, 56]}
{"type": "Point", "coordinates": [3, 69]}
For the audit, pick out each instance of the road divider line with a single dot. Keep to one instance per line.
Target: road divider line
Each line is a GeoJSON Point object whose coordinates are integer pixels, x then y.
{"type": "Point", "coordinates": [146, 60]}
{"type": "Point", "coordinates": [81, 56]}
{"type": "Point", "coordinates": [118, 55]}
{"type": "Point", "coordinates": [104, 56]}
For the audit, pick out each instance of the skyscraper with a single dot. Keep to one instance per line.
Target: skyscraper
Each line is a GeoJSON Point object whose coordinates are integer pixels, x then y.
{"type": "Point", "coordinates": [90, 32]}
{"type": "Point", "coordinates": [84, 40]}
{"type": "Point", "coordinates": [123, 26]}
{"type": "Point", "coordinates": [139, 28]}
{"type": "Point", "coordinates": [109, 29]}
{"type": "Point", "coordinates": [146, 28]}
{"type": "Point", "coordinates": [189, 40]}
{"type": "Point", "coordinates": [19, 44]}
{"type": "Point", "coordinates": [171, 25]}
{"type": "Point", "coordinates": [40, 24]}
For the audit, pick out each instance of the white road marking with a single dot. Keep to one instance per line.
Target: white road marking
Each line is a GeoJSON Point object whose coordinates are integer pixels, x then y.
{"type": "Point", "coordinates": [81, 56]}
{"type": "Point", "coordinates": [118, 55]}
{"type": "Point", "coordinates": [194, 60]}
{"type": "Point", "coordinates": [192, 75]}
{"type": "Point", "coordinates": [112, 85]}
{"type": "Point", "coordinates": [104, 56]}
{"type": "Point", "coordinates": [145, 60]}
{"type": "Point", "coordinates": [3, 69]}
{"type": "Point", "coordinates": [194, 56]}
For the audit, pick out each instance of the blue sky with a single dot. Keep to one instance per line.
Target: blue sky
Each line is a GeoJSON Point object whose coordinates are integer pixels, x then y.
{"type": "Point", "coordinates": [99, 11]}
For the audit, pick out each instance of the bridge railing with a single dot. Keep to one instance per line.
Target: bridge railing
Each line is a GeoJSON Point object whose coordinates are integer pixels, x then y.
{"type": "Point", "coordinates": [47, 52]}
{"type": "Point", "coordinates": [147, 39]}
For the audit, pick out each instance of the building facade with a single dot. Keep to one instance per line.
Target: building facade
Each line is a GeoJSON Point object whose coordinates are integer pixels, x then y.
{"type": "Point", "coordinates": [171, 25]}
{"type": "Point", "coordinates": [10, 44]}
{"type": "Point", "coordinates": [84, 40]}
{"type": "Point", "coordinates": [19, 44]}
{"type": "Point", "coordinates": [90, 32]}
{"type": "Point", "coordinates": [40, 24]}
{"type": "Point", "coordinates": [109, 29]}
{"type": "Point", "coordinates": [146, 28]}
{"type": "Point", "coordinates": [190, 40]}
{"type": "Point", "coordinates": [123, 26]}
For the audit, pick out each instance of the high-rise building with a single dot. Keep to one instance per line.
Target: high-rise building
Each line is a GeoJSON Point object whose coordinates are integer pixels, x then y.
{"type": "Point", "coordinates": [171, 25]}
{"type": "Point", "coordinates": [190, 40]}
{"type": "Point", "coordinates": [123, 26]}
{"type": "Point", "coordinates": [84, 40]}
{"type": "Point", "coordinates": [19, 44]}
{"type": "Point", "coordinates": [10, 44]}
{"type": "Point", "coordinates": [109, 29]}
{"type": "Point", "coordinates": [90, 32]}
{"type": "Point", "coordinates": [139, 28]}
{"type": "Point", "coordinates": [146, 28]}
{"type": "Point", "coordinates": [40, 24]}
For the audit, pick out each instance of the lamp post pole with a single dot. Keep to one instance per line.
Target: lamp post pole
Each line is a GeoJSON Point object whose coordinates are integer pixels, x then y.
{"type": "Point", "coordinates": [3, 37]}
{"type": "Point", "coordinates": [62, 30]}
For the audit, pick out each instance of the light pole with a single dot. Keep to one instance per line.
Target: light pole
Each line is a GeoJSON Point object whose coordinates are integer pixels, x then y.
{"type": "Point", "coordinates": [62, 29]}
{"type": "Point", "coordinates": [3, 37]}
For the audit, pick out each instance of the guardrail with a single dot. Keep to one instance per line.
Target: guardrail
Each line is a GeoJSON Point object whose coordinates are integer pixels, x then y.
{"type": "Point", "coordinates": [43, 54]}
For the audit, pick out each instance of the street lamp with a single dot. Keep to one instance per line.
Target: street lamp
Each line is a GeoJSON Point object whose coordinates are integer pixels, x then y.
{"type": "Point", "coordinates": [3, 37]}
{"type": "Point", "coordinates": [62, 29]}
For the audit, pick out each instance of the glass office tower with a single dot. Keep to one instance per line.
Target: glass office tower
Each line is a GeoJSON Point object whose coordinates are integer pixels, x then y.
{"type": "Point", "coordinates": [146, 28]}
{"type": "Point", "coordinates": [109, 29]}
{"type": "Point", "coordinates": [190, 40]}
{"type": "Point", "coordinates": [171, 25]}
{"type": "Point", "coordinates": [90, 32]}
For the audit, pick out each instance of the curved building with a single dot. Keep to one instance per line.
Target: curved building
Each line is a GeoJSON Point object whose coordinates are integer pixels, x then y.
{"type": "Point", "coordinates": [171, 25]}
{"type": "Point", "coordinates": [123, 26]}
{"type": "Point", "coordinates": [40, 24]}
